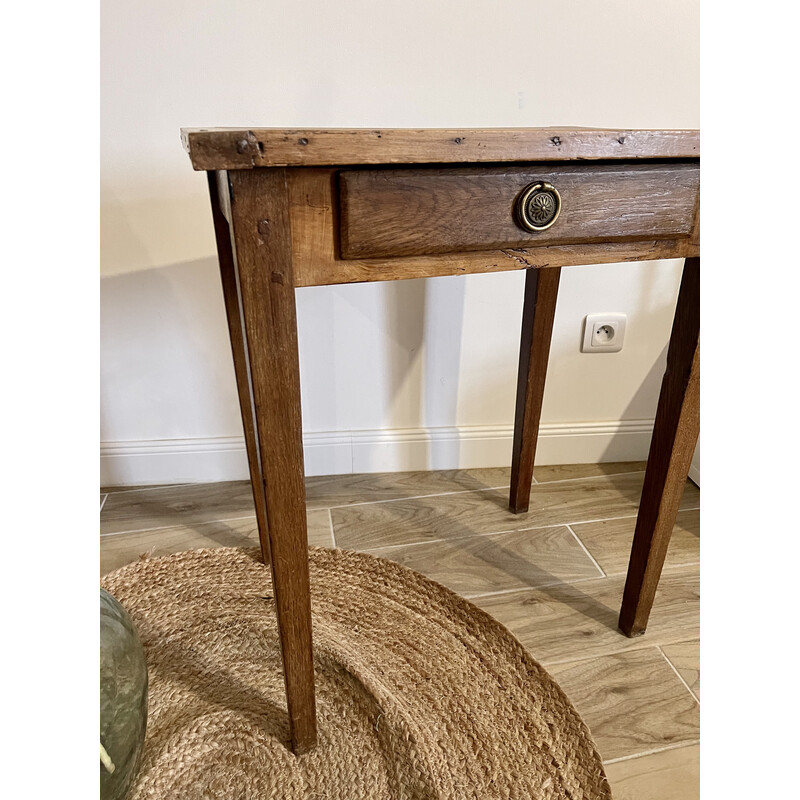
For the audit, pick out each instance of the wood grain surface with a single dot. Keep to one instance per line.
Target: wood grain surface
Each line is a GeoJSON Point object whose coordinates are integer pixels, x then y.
{"type": "Point", "coordinates": [631, 701]}
{"type": "Point", "coordinates": [545, 473]}
{"type": "Point", "coordinates": [538, 314]}
{"type": "Point", "coordinates": [221, 215]}
{"type": "Point", "coordinates": [340, 490]}
{"type": "Point", "coordinates": [247, 148]}
{"type": "Point", "coordinates": [498, 562]}
{"type": "Point", "coordinates": [317, 262]}
{"type": "Point", "coordinates": [667, 775]}
{"type": "Point", "coordinates": [402, 212]}
{"type": "Point", "coordinates": [128, 507]}
{"type": "Point", "coordinates": [120, 549]}
{"type": "Point", "coordinates": [265, 281]}
{"type": "Point", "coordinates": [675, 433]}
{"type": "Point", "coordinates": [685, 657]}
{"type": "Point", "coordinates": [453, 516]}
{"type": "Point", "coordinates": [609, 541]}
{"type": "Point", "coordinates": [579, 620]}
{"type": "Point", "coordinates": [165, 506]}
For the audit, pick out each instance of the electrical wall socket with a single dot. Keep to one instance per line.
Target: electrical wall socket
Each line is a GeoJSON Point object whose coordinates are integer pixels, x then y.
{"type": "Point", "coordinates": [604, 333]}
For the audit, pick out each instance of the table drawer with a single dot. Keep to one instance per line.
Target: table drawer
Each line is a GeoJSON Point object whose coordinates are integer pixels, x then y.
{"type": "Point", "coordinates": [406, 212]}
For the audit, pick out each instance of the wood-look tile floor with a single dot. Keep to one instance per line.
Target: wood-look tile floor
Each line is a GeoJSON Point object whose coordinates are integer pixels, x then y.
{"type": "Point", "coordinates": [553, 576]}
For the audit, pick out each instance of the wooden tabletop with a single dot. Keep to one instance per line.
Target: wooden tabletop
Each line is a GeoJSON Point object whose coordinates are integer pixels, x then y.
{"type": "Point", "coordinates": [246, 148]}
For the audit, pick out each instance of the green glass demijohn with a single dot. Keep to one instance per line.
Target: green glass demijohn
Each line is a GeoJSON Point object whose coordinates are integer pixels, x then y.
{"type": "Point", "coordinates": [123, 699]}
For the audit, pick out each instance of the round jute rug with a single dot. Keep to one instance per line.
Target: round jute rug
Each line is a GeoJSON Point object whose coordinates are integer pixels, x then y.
{"type": "Point", "coordinates": [420, 695]}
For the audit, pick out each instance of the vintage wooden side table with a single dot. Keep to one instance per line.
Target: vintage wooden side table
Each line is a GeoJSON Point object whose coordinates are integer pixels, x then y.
{"type": "Point", "coordinates": [314, 207]}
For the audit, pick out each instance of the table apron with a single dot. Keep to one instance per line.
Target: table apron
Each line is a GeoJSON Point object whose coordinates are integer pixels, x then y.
{"type": "Point", "coordinates": [663, 223]}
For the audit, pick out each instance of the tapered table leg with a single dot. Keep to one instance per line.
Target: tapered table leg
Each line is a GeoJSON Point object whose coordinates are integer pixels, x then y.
{"type": "Point", "coordinates": [541, 293]}
{"type": "Point", "coordinates": [266, 293]}
{"type": "Point", "coordinates": [675, 433]}
{"type": "Point", "coordinates": [227, 268]}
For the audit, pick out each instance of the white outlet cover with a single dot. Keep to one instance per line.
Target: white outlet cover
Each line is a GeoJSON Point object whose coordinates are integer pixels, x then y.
{"type": "Point", "coordinates": [604, 333]}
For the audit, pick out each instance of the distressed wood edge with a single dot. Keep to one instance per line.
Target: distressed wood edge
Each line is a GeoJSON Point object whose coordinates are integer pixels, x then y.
{"type": "Point", "coordinates": [695, 235]}
{"type": "Point", "coordinates": [481, 263]}
{"type": "Point", "coordinates": [249, 148]}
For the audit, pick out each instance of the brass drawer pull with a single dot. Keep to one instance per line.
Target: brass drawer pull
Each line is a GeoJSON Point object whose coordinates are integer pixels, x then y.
{"type": "Point", "coordinates": [538, 206]}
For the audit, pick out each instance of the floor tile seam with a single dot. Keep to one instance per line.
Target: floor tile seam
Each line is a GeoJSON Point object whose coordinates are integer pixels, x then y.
{"type": "Point", "coordinates": [485, 489]}
{"type": "Point", "coordinates": [676, 569]}
{"type": "Point", "coordinates": [439, 540]}
{"type": "Point", "coordinates": [586, 550]}
{"type": "Point", "coordinates": [495, 532]}
{"type": "Point", "coordinates": [378, 547]}
{"type": "Point", "coordinates": [474, 536]}
{"type": "Point", "coordinates": [370, 502]}
{"type": "Point", "coordinates": [330, 525]}
{"type": "Point", "coordinates": [665, 568]}
{"type": "Point", "coordinates": [504, 486]}
{"type": "Point", "coordinates": [637, 644]}
{"type": "Point", "coordinates": [475, 596]}
{"type": "Point", "coordinates": [592, 477]}
{"type": "Point", "coordinates": [177, 525]}
{"type": "Point", "coordinates": [164, 486]}
{"type": "Point", "coordinates": [622, 516]}
{"type": "Point", "coordinates": [417, 497]}
{"type": "Point", "coordinates": [680, 677]}
{"type": "Point", "coordinates": [653, 751]}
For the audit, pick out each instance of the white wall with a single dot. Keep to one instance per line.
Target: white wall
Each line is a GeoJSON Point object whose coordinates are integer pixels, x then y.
{"type": "Point", "coordinates": [411, 374]}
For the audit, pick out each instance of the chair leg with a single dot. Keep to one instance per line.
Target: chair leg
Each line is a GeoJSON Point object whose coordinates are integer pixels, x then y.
{"type": "Point", "coordinates": [675, 433]}
{"type": "Point", "coordinates": [266, 292]}
{"type": "Point", "coordinates": [541, 293]}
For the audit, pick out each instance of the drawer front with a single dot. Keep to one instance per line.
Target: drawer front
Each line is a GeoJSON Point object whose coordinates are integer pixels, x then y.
{"type": "Point", "coordinates": [405, 212]}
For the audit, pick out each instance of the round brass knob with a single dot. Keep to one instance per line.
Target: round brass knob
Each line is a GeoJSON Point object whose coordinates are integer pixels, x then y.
{"type": "Point", "coordinates": [538, 206]}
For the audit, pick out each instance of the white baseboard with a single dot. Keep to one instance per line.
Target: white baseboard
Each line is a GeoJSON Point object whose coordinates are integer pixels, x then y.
{"type": "Point", "coordinates": [198, 460]}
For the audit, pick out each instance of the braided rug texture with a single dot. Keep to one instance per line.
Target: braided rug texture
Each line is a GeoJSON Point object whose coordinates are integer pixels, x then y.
{"type": "Point", "coordinates": [420, 695]}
